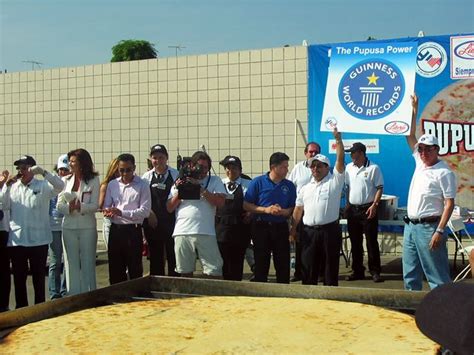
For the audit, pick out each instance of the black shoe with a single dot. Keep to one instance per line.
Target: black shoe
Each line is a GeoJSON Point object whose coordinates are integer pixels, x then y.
{"type": "Point", "coordinates": [377, 278]}
{"type": "Point", "coordinates": [295, 279]}
{"type": "Point", "coordinates": [353, 277]}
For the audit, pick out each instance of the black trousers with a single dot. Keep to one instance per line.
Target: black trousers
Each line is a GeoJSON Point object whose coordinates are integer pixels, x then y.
{"type": "Point", "coordinates": [268, 239]}
{"type": "Point", "coordinates": [5, 278]}
{"type": "Point", "coordinates": [233, 240]}
{"type": "Point", "coordinates": [357, 226]}
{"type": "Point", "coordinates": [125, 252]}
{"type": "Point", "coordinates": [36, 258]}
{"type": "Point", "coordinates": [321, 248]}
{"type": "Point", "coordinates": [161, 248]}
{"type": "Point", "coordinates": [298, 250]}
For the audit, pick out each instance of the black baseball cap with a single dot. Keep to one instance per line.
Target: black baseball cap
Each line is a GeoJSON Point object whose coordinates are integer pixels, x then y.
{"type": "Point", "coordinates": [231, 160]}
{"type": "Point", "coordinates": [357, 146]}
{"type": "Point", "coordinates": [25, 160]}
{"type": "Point", "coordinates": [158, 148]}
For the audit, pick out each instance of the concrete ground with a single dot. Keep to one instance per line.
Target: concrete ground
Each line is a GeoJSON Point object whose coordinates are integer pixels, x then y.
{"type": "Point", "coordinates": [391, 272]}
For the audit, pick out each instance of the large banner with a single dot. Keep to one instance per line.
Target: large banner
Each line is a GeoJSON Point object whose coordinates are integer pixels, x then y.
{"type": "Point", "coordinates": [369, 86]}
{"type": "Point", "coordinates": [444, 83]}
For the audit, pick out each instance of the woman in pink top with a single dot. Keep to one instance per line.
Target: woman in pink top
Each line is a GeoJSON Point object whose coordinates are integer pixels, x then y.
{"type": "Point", "coordinates": [79, 202]}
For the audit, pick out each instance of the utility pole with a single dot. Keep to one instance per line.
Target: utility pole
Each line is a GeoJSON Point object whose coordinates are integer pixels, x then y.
{"type": "Point", "coordinates": [176, 48]}
{"type": "Point", "coordinates": [33, 63]}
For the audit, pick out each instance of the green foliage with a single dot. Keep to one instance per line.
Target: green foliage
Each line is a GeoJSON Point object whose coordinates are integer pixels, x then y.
{"type": "Point", "coordinates": [131, 49]}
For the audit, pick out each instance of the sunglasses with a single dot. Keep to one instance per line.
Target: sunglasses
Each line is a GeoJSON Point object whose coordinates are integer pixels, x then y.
{"type": "Point", "coordinates": [22, 168]}
{"type": "Point", "coordinates": [125, 170]}
{"type": "Point", "coordinates": [426, 149]}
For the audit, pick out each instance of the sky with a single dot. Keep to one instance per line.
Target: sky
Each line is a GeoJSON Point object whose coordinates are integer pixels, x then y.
{"type": "Point", "coordinates": [62, 33]}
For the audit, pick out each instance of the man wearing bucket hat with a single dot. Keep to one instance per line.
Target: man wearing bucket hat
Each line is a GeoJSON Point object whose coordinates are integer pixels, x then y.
{"type": "Point", "coordinates": [30, 232]}
{"type": "Point", "coordinates": [430, 204]}
{"type": "Point", "coordinates": [320, 200]}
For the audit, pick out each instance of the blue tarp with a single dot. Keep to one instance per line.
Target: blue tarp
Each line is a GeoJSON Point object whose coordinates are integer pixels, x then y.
{"type": "Point", "coordinates": [394, 156]}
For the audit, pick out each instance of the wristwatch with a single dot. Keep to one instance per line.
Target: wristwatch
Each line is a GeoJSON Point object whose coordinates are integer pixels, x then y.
{"type": "Point", "coordinates": [440, 230]}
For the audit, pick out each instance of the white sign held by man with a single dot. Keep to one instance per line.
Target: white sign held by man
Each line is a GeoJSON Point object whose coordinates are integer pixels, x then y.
{"type": "Point", "coordinates": [369, 87]}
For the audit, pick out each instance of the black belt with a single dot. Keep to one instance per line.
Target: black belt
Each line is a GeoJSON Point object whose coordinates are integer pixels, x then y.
{"type": "Point", "coordinates": [430, 219]}
{"type": "Point", "coordinates": [322, 226]}
{"type": "Point", "coordinates": [126, 226]}
{"type": "Point", "coordinates": [362, 207]}
{"type": "Point", "coordinates": [264, 223]}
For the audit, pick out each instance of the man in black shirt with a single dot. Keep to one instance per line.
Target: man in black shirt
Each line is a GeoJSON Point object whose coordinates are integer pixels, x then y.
{"type": "Point", "coordinates": [160, 225]}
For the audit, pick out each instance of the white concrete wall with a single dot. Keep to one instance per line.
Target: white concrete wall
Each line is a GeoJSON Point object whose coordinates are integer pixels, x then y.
{"type": "Point", "coordinates": [243, 103]}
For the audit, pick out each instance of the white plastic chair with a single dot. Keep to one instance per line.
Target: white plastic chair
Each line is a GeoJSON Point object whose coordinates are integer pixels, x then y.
{"type": "Point", "coordinates": [458, 229]}
{"type": "Point", "coordinates": [463, 274]}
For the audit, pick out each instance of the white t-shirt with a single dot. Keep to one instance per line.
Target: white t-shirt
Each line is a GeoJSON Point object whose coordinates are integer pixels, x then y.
{"type": "Point", "coordinates": [429, 186]}
{"type": "Point", "coordinates": [300, 175]}
{"type": "Point", "coordinates": [321, 200]}
{"type": "Point", "coordinates": [197, 216]}
{"type": "Point", "coordinates": [363, 182]}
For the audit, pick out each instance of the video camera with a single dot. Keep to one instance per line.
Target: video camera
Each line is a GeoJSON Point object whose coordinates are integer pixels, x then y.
{"type": "Point", "coordinates": [187, 169]}
{"type": "Point", "coordinates": [188, 190]}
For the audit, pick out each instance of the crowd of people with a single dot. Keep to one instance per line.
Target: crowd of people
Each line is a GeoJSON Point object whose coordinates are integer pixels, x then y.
{"type": "Point", "coordinates": [189, 214]}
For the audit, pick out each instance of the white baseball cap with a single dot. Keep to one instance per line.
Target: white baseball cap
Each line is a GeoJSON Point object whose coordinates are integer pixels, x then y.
{"type": "Point", "coordinates": [63, 162]}
{"type": "Point", "coordinates": [427, 139]}
{"type": "Point", "coordinates": [319, 157]}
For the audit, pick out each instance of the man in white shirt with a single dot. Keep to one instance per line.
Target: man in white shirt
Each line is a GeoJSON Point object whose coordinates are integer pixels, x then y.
{"type": "Point", "coordinates": [300, 175]}
{"type": "Point", "coordinates": [128, 203]}
{"type": "Point", "coordinates": [365, 186]}
{"type": "Point", "coordinates": [27, 199]}
{"type": "Point", "coordinates": [430, 204]}
{"type": "Point", "coordinates": [194, 230]}
{"type": "Point", "coordinates": [320, 201]}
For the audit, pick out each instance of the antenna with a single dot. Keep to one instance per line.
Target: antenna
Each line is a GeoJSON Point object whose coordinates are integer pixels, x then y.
{"type": "Point", "coordinates": [33, 63]}
{"type": "Point", "coordinates": [176, 48]}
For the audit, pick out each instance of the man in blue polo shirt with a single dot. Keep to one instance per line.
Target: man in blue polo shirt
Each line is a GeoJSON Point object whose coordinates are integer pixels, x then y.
{"type": "Point", "coordinates": [271, 197]}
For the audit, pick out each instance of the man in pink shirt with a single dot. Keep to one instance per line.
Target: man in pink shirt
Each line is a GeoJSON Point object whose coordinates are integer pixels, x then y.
{"type": "Point", "coordinates": [128, 203]}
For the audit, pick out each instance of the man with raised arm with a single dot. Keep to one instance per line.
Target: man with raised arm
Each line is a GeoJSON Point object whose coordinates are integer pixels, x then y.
{"type": "Point", "coordinates": [320, 201]}
{"type": "Point", "coordinates": [430, 204]}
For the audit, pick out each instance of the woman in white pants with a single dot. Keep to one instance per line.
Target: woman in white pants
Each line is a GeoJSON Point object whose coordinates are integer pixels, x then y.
{"type": "Point", "coordinates": [79, 202]}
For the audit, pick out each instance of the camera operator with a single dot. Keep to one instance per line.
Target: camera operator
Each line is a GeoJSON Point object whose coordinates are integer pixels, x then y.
{"type": "Point", "coordinates": [194, 229]}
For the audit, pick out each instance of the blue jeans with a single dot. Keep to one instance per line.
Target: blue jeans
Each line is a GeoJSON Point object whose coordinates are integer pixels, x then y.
{"type": "Point", "coordinates": [56, 284]}
{"type": "Point", "coordinates": [418, 258]}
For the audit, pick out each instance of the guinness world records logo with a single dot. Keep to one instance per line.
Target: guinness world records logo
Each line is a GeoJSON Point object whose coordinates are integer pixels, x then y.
{"type": "Point", "coordinates": [371, 89]}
